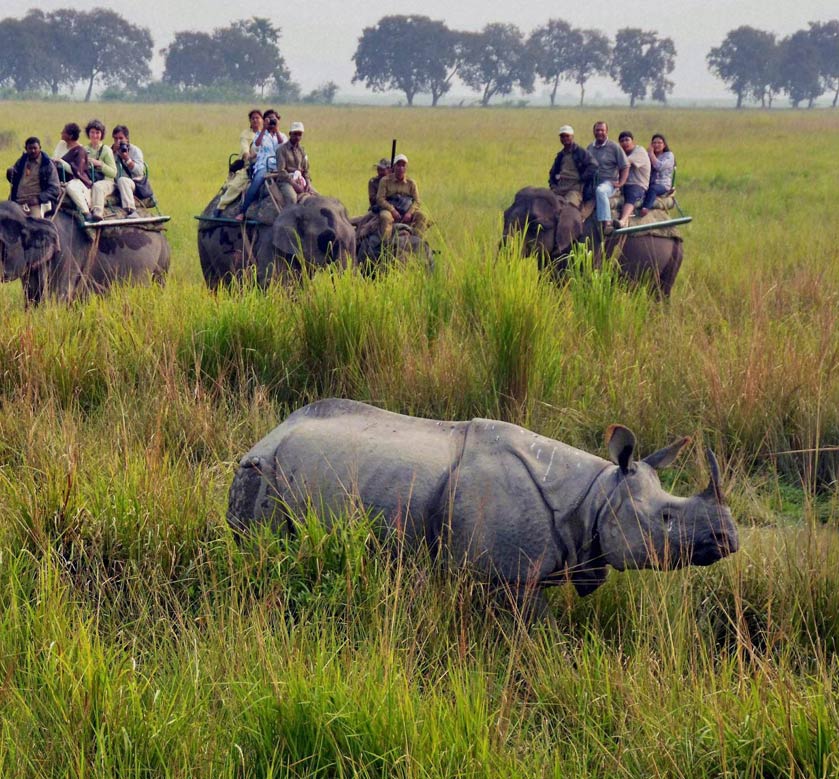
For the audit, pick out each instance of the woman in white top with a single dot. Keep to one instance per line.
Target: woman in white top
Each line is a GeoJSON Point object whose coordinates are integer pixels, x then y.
{"type": "Point", "coordinates": [663, 166]}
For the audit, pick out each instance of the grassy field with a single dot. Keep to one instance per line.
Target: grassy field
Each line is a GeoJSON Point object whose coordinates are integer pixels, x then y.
{"type": "Point", "coordinates": [137, 639]}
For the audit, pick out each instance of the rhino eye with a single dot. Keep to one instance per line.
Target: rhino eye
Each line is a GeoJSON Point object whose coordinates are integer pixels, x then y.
{"type": "Point", "coordinates": [667, 517]}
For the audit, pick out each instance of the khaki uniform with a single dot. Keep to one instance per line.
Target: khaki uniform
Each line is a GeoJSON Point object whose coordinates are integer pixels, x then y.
{"type": "Point", "coordinates": [234, 188]}
{"type": "Point", "coordinates": [569, 186]}
{"type": "Point", "coordinates": [290, 159]}
{"type": "Point", "coordinates": [390, 187]}
{"type": "Point", "coordinates": [373, 189]}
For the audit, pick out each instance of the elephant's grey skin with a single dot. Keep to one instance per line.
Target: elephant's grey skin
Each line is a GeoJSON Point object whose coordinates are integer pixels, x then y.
{"type": "Point", "coordinates": [312, 233]}
{"type": "Point", "coordinates": [405, 246]}
{"type": "Point", "coordinates": [524, 509]}
{"type": "Point", "coordinates": [57, 259]}
{"type": "Point", "coordinates": [643, 259]}
{"type": "Point", "coordinates": [547, 229]}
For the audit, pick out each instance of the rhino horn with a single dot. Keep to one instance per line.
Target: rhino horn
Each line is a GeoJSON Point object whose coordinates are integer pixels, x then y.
{"type": "Point", "coordinates": [664, 457]}
{"type": "Point", "coordinates": [714, 488]}
{"type": "Point", "coordinates": [621, 443]}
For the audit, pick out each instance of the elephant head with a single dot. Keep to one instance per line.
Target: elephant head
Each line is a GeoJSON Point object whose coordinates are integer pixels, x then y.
{"type": "Point", "coordinates": [314, 232]}
{"type": "Point", "coordinates": [26, 243]}
{"type": "Point", "coordinates": [548, 227]}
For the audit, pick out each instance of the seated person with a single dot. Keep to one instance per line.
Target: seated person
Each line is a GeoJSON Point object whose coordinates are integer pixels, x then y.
{"type": "Point", "coordinates": [663, 165]}
{"type": "Point", "coordinates": [571, 177]}
{"type": "Point", "coordinates": [266, 144]}
{"type": "Point", "coordinates": [638, 180]}
{"type": "Point", "coordinates": [382, 170]}
{"type": "Point", "coordinates": [398, 200]}
{"type": "Point", "coordinates": [34, 179]}
{"type": "Point", "coordinates": [71, 156]}
{"type": "Point", "coordinates": [293, 174]}
{"type": "Point", "coordinates": [101, 158]}
{"type": "Point", "coordinates": [612, 171]}
{"type": "Point", "coordinates": [238, 183]}
{"type": "Point", "coordinates": [131, 171]}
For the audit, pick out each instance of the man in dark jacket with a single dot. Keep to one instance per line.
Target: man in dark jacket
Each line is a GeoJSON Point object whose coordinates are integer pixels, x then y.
{"type": "Point", "coordinates": [572, 175]}
{"type": "Point", "coordinates": [34, 180]}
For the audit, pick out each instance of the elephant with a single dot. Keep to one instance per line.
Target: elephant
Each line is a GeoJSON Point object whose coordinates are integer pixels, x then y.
{"type": "Point", "coordinates": [549, 230]}
{"type": "Point", "coordinates": [312, 233]}
{"type": "Point", "coordinates": [522, 509]}
{"type": "Point", "coordinates": [404, 245]}
{"type": "Point", "coordinates": [62, 260]}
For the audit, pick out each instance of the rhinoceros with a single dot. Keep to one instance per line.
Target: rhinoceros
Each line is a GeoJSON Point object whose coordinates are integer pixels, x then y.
{"type": "Point", "coordinates": [523, 509]}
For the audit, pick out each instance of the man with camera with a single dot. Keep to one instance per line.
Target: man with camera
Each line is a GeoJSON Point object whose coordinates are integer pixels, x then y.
{"type": "Point", "coordinates": [266, 145]}
{"type": "Point", "coordinates": [131, 171]}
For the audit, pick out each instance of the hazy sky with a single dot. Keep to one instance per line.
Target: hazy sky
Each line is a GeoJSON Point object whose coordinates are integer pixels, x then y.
{"type": "Point", "coordinates": [319, 37]}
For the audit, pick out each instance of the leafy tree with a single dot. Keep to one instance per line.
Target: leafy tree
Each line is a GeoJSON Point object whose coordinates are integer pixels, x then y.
{"type": "Point", "coordinates": [191, 60]}
{"type": "Point", "coordinates": [267, 58]}
{"type": "Point", "coordinates": [552, 48]}
{"type": "Point", "coordinates": [641, 62]}
{"type": "Point", "coordinates": [826, 39]}
{"type": "Point", "coordinates": [589, 55]}
{"type": "Point", "coordinates": [496, 60]}
{"type": "Point", "coordinates": [111, 50]}
{"type": "Point", "coordinates": [744, 61]}
{"type": "Point", "coordinates": [411, 54]}
{"type": "Point", "coordinates": [799, 68]}
{"type": "Point", "coordinates": [323, 95]}
{"type": "Point", "coordinates": [22, 41]}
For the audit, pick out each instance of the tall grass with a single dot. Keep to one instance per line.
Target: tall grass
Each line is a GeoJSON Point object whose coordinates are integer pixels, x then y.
{"type": "Point", "coordinates": [137, 638]}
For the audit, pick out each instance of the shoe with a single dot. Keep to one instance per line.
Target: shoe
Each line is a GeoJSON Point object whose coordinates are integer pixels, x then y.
{"type": "Point", "coordinates": [87, 217]}
{"type": "Point", "coordinates": [94, 217]}
{"type": "Point", "coordinates": [132, 214]}
{"type": "Point", "coordinates": [216, 213]}
{"type": "Point", "coordinates": [608, 228]}
{"type": "Point", "coordinates": [645, 211]}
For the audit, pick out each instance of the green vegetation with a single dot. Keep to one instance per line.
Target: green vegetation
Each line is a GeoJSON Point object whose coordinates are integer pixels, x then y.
{"type": "Point", "coordinates": [137, 638]}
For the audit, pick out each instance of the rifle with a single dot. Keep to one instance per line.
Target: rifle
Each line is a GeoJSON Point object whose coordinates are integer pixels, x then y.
{"type": "Point", "coordinates": [392, 153]}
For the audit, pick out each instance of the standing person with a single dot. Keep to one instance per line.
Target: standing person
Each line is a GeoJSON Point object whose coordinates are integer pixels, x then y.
{"type": "Point", "coordinates": [398, 200]}
{"type": "Point", "coordinates": [131, 169]}
{"type": "Point", "coordinates": [663, 165]}
{"type": "Point", "coordinates": [266, 143]}
{"type": "Point", "coordinates": [293, 166]}
{"type": "Point", "coordinates": [34, 179]}
{"type": "Point", "coordinates": [72, 157]}
{"type": "Point", "coordinates": [571, 177]}
{"type": "Point", "coordinates": [612, 171]}
{"type": "Point", "coordinates": [638, 180]}
{"type": "Point", "coordinates": [101, 157]}
{"type": "Point", "coordinates": [382, 170]}
{"type": "Point", "coordinates": [238, 183]}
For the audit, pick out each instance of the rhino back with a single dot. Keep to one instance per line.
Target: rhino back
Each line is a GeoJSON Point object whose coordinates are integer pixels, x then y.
{"type": "Point", "coordinates": [336, 452]}
{"type": "Point", "coordinates": [515, 508]}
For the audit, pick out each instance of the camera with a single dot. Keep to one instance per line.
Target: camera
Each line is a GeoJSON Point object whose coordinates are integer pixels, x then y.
{"type": "Point", "coordinates": [124, 147]}
{"type": "Point", "coordinates": [272, 122]}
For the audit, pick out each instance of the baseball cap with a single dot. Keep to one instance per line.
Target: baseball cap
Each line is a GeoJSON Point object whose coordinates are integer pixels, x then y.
{"type": "Point", "coordinates": [296, 127]}
{"type": "Point", "coordinates": [384, 162]}
{"type": "Point", "coordinates": [399, 158]}
{"type": "Point", "coordinates": [566, 129]}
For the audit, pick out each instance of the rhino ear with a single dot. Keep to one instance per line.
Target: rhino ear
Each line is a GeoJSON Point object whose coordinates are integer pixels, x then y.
{"type": "Point", "coordinates": [664, 457]}
{"type": "Point", "coordinates": [621, 443]}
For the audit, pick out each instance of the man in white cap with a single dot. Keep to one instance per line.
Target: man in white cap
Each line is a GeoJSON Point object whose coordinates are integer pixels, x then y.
{"type": "Point", "coordinates": [293, 166]}
{"type": "Point", "coordinates": [398, 200]}
{"type": "Point", "coordinates": [571, 177]}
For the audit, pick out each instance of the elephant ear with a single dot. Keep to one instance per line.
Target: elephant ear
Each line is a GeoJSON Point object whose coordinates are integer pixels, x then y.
{"type": "Point", "coordinates": [14, 235]}
{"type": "Point", "coordinates": [621, 443]}
{"type": "Point", "coordinates": [286, 236]}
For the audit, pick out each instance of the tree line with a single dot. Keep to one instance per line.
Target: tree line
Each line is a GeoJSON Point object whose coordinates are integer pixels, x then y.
{"type": "Point", "coordinates": [417, 55]}
{"type": "Point", "coordinates": [411, 54]}
{"type": "Point", "coordinates": [757, 66]}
